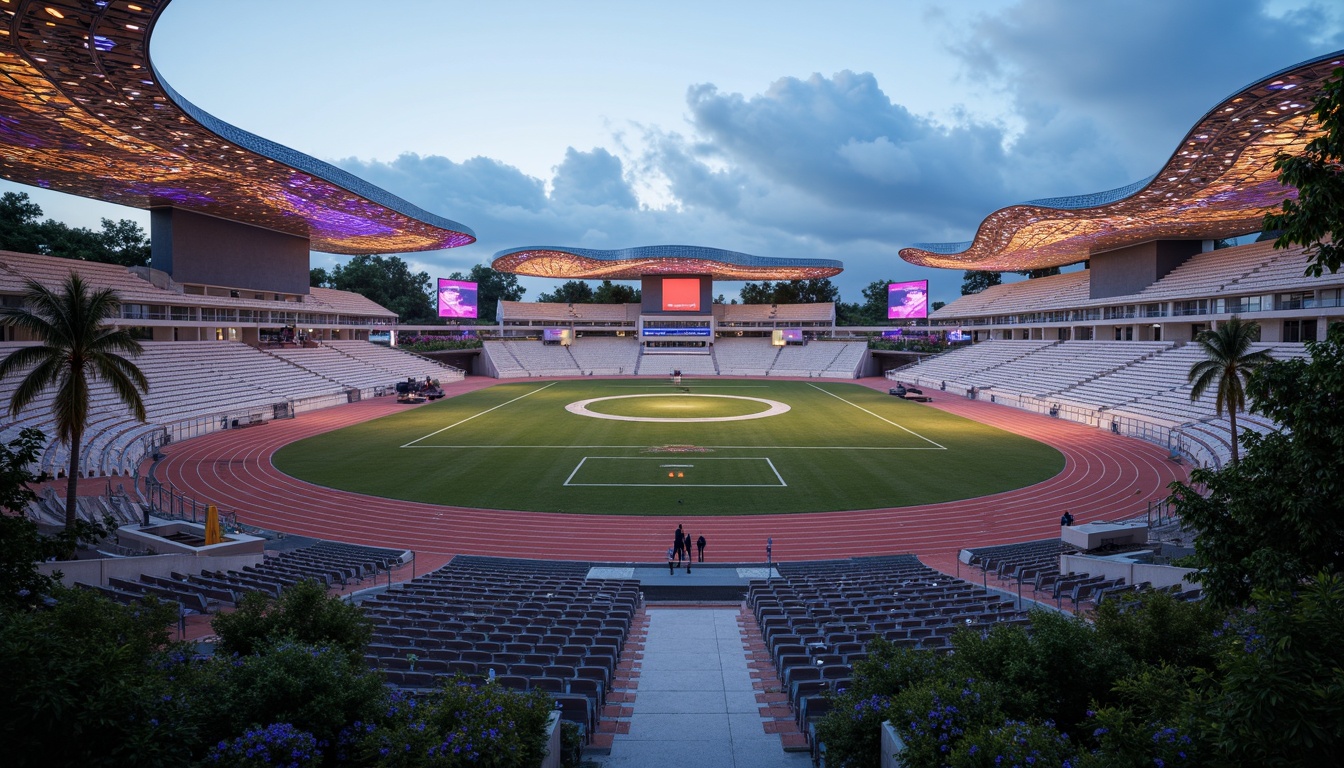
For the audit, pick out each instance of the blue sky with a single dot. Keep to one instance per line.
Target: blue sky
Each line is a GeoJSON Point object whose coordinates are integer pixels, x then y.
{"type": "Point", "coordinates": [846, 130]}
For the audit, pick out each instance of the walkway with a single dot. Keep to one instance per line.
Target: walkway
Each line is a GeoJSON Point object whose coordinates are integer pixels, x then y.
{"type": "Point", "coordinates": [695, 703]}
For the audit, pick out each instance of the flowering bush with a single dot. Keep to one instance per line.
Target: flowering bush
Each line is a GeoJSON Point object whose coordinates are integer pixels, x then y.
{"type": "Point", "coordinates": [459, 724]}
{"type": "Point", "coordinates": [315, 689]}
{"type": "Point", "coordinates": [1014, 744]}
{"type": "Point", "coordinates": [851, 729]}
{"type": "Point", "coordinates": [428, 343]}
{"type": "Point", "coordinates": [278, 744]}
{"type": "Point", "coordinates": [933, 719]}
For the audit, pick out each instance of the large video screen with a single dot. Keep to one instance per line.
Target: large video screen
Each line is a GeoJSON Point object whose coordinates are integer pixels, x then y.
{"type": "Point", "coordinates": [908, 300]}
{"type": "Point", "coordinates": [681, 294]}
{"type": "Point", "coordinates": [675, 294]}
{"type": "Point", "coordinates": [457, 298]}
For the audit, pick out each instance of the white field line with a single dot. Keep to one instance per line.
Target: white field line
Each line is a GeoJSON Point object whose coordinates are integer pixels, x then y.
{"type": "Point", "coordinates": [569, 480]}
{"type": "Point", "coordinates": [482, 413]}
{"type": "Point", "coordinates": [714, 447]}
{"type": "Point", "coordinates": [874, 415]}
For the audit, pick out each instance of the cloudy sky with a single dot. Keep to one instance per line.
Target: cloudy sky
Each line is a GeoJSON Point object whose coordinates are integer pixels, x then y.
{"type": "Point", "coordinates": [844, 130]}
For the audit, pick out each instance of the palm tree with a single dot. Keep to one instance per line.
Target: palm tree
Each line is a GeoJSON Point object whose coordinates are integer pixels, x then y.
{"type": "Point", "coordinates": [78, 347]}
{"type": "Point", "coordinates": [1228, 366]}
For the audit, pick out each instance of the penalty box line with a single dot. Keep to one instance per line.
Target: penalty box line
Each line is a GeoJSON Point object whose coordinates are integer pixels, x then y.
{"type": "Point", "coordinates": [569, 480]}
{"type": "Point", "coordinates": [876, 416]}
{"type": "Point", "coordinates": [482, 413]}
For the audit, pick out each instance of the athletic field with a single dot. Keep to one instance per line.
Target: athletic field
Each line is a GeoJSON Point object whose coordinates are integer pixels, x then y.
{"type": "Point", "coordinates": [704, 446]}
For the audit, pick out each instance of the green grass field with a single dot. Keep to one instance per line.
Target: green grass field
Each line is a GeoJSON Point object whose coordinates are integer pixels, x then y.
{"type": "Point", "coordinates": [516, 446]}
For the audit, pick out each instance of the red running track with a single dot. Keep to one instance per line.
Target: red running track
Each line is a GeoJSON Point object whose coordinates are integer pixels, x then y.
{"type": "Point", "coordinates": [1104, 477]}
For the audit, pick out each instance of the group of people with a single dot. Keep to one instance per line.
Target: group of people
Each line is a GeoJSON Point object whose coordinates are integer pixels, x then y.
{"type": "Point", "coordinates": [681, 547]}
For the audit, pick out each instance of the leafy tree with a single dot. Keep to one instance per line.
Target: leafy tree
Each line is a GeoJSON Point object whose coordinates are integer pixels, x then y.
{"type": "Point", "coordinates": [491, 288]}
{"type": "Point", "coordinates": [1032, 274]}
{"type": "Point", "coordinates": [315, 688]}
{"type": "Point", "coordinates": [125, 243]}
{"type": "Point", "coordinates": [758, 293]}
{"type": "Point", "coordinates": [937, 305]}
{"type": "Point", "coordinates": [82, 686]}
{"type": "Point", "coordinates": [1276, 518]}
{"type": "Point", "coordinates": [1229, 363]}
{"type": "Point", "coordinates": [78, 347]}
{"type": "Point", "coordinates": [304, 614]}
{"type": "Point", "coordinates": [121, 242]}
{"type": "Point", "coordinates": [389, 282]}
{"type": "Point", "coordinates": [1315, 219]}
{"type": "Point", "coordinates": [1278, 698]}
{"type": "Point", "coordinates": [814, 291]}
{"type": "Point", "coordinates": [19, 217]}
{"type": "Point", "coordinates": [614, 293]}
{"type": "Point", "coordinates": [318, 277]}
{"type": "Point", "coordinates": [975, 281]}
{"type": "Point", "coordinates": [571, 292]}
{"type": "Point", "coordinates": [16, 457]}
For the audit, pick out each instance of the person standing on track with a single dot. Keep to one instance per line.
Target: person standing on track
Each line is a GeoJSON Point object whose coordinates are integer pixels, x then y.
{"type": "Point", "coordinates": [700, 547]}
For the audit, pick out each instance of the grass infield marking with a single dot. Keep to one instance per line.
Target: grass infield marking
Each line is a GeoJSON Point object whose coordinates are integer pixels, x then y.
{"type": "Point", "coordinates": [771, 464]}
{"type": "Point", "coordinates": [874, 415]}
{"type": "Point", "coordinates": [716, 447]}
{"type": "Point", "coordinates": [482, 413]}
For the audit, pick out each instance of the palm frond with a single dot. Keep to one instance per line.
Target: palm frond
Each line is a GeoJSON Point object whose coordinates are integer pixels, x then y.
{"type": "Point", "coordinates": [45, 374]}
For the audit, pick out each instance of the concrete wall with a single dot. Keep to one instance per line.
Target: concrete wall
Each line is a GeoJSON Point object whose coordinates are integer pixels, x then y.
{"type": "Point", "coordinates": [99, 571]}
{"type": "Point", "coordinates": [1125, 271]}
{"type": "Point", "coordinates": [892, 747]}
{"type": "Point", "coordinates": [194, 248]}
{"type": "Point", "coordinates": [1133, 573]}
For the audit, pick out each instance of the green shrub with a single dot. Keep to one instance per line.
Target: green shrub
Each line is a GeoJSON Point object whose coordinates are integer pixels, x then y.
{"type": "Point", "coordinates": [851, 730]}
{"type": "Point", "coordinates": [84, 684]}
{"type": "Point", "coordinates": [314, 689]}
{"type": "Point", "coordinates": [304, 614]}
{"type": "Point", "coordinates": [458, 724]}
{"type": "Point", "coordinates": [1013, 744]}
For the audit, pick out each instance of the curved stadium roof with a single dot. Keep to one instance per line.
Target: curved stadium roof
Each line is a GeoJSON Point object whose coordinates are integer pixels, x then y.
{"type": "Point", "coordinates": [83, 111]}
{"type": "Point", "coordinates": [632, 263]}
{"type": "Point", "coordinates": [1219, 183]}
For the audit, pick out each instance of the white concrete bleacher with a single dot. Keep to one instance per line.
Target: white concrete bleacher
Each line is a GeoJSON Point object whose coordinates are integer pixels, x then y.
{"type": "Point", "coordinates": [1209, 272]}
{"type": "Point", "coordinates": [344, 369]}
{"type": "Point", "coordinates": [541, 359]}
{"type": "Point", "coordinates": [663, 364]}
{"type": "Point", "coordinates": [1060, 366]}
{"type": "Point", "coordinates": [961, 365]}
{"type": "Point", "coordinates": [502, 361]}
{"type": "Point", "coordinates": [399, 363]}
{"type": "Point", "coordinates": [606, 355]}
{"type": "Point", "coordinates": [1067, 289]}
{"type": "Point", "coordinates": [188, 381]}
{"type": "Point", "coordinates": [813, 359]}
{"type": "Point", "coordinates": [131, 288]}
{"type": "Point", "coordinates": [745, 356]}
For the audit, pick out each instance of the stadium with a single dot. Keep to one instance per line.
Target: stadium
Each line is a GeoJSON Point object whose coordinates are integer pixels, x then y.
{"type": "Point", "coordinates": [518, 498]}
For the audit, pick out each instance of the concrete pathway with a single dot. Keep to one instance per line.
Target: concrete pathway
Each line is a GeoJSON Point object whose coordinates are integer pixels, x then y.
{"type": "Point", "coordinates": [695, 703]}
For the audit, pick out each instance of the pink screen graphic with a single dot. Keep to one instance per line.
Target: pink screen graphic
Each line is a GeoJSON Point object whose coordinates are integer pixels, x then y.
{"type": "Point", "coordinates": [908, 300]}
{"type": "Point", "coordinates": [681, 294]}
{"type": "Point", "coordinates": [457, 298]}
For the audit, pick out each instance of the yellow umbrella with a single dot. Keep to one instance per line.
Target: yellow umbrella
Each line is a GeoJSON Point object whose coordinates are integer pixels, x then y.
{"type": "Point", "coordinates": [212, 533]}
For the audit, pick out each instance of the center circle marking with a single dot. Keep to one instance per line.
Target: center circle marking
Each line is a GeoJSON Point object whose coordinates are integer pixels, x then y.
{"type": "Point", "coordinates": [580, 408]}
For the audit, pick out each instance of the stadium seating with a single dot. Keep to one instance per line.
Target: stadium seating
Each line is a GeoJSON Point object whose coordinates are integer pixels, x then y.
{"type": "Point", "coordinates": [197, 387]}
{"type": "Point", "coordinates": [330, 563]}
{"type": "Point", "coordinates": [818, 618]}
{"type": "Point", "coordinates": [527, 624]}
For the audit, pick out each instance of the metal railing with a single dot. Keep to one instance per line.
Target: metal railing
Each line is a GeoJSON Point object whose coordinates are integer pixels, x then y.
{"type": "Point", "coordinates": [167, 502]}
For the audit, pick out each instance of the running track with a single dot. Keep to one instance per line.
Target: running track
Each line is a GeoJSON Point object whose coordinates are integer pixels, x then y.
{"type": "Point", "coordinates": [1104, 477]}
